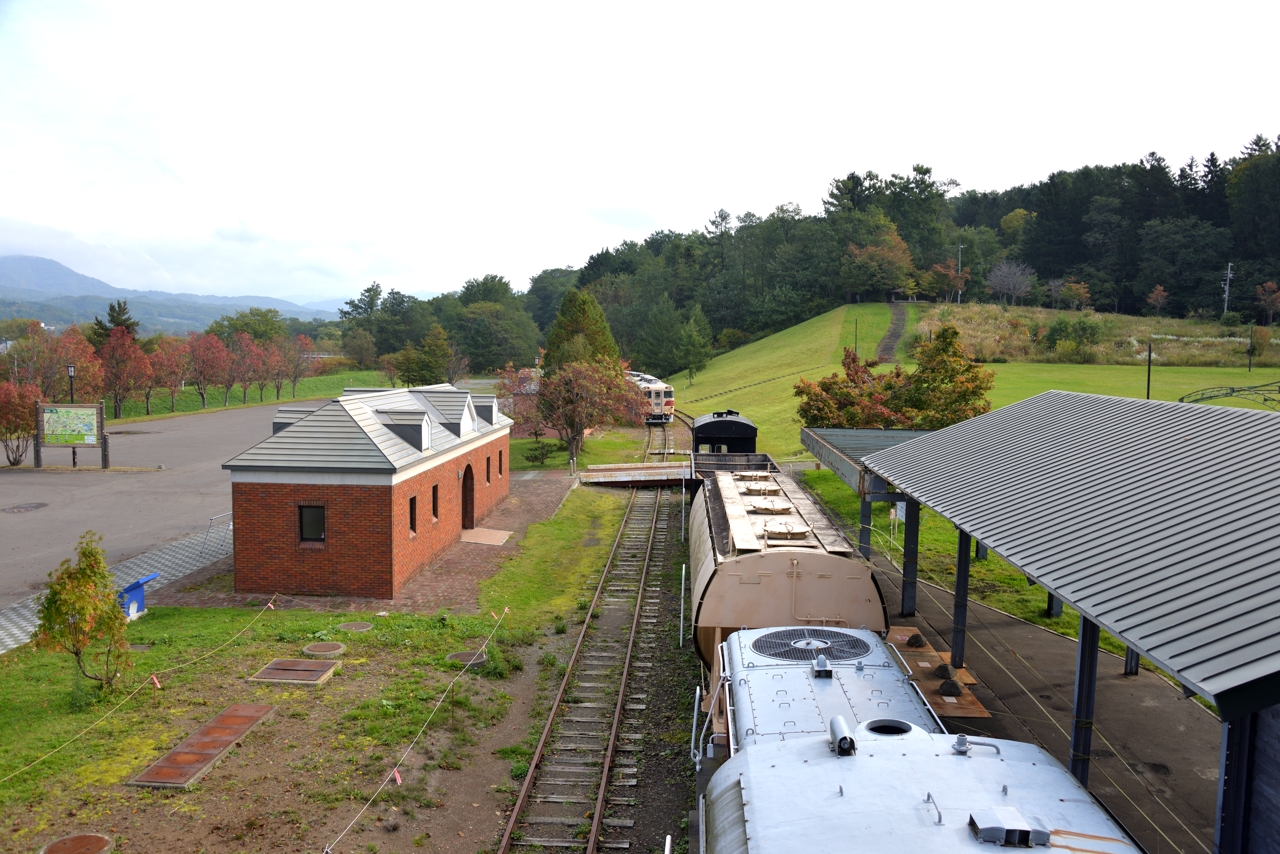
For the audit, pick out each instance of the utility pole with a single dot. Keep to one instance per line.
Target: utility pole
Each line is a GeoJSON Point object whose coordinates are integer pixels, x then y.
{"type": "Point", "coordinates": [959, 268]}
{"type": "Point", "coordinates": [1226, 289]}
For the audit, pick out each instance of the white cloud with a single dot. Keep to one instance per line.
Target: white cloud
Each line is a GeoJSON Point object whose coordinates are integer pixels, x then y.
{"type": "Point", "coordinates": [309, 148]}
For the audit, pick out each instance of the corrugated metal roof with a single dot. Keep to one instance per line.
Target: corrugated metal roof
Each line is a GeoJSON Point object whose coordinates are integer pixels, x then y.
{"type": "Point", "coordinates": [1155, 519]}
{"type": "Point", "coordinates": [854, 444]}
{"type": "Point", "coordinates": [347, 434]}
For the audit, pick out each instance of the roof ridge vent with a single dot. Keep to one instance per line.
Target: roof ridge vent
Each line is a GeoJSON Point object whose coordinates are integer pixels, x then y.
{"type": "Point", "coordinates": [1007, 827]}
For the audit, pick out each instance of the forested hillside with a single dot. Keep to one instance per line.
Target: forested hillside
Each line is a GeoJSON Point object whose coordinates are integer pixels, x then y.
{"type": "Point", "coordinates": [1136, 238]}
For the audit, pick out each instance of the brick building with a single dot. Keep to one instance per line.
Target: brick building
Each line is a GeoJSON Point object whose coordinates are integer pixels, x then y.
{"type": "Point", "coordinates": [358, 496]}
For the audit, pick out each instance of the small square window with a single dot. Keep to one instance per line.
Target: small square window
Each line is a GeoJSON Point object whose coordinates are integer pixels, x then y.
{"type": "Point", "coordinates": [435, 503]}
{"type": "Point", "coordinates": [311, 524]}
{"type": "Point", "coordinates": [413, 514]}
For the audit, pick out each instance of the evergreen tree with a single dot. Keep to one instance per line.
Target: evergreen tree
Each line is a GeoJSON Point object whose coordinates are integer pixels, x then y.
{"type": "Point", "coordinates": [117, 316]}
{"type": "Point", "coordinates": [435, 355]}
{"type": "Point", "coordinates": [580, 329]}
{"type": "Point", "coordinates": [695, 342]}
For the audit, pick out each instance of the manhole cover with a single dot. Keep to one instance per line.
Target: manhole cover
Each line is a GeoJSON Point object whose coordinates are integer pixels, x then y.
{"type": "Point", "coordinates": [24, 508]}
{"type": "Point", "coordinates": [325, 649]}
{"type": "Point", "coordinates": [131, 432]}
{"type": "Point", "coordinates": [355, 627]}
{"type": "Point", "coordinates": [471, 659]}
{"type": "Point", "coordinates": [84, 843]}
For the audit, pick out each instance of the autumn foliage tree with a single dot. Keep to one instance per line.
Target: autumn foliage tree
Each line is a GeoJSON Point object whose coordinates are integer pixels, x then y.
{"type": "Point", "coordinates": [1269, 299]}
{"type": "Point", "coordinates": [208, 360]}
{"type": "Point", "coordinates": [170, 364]}
{"type": "Point", "coordinates": [80, 611]}
{"type": "Point", "coordinates": [1158, 299]}
{"type": "Point", "coordinates": [296, 352]}
{"type": "Point", "coordinates": [946, 387]}
{"type": "Point", "coordinates": [125, 368]}
{"type": "Point", "coordinates": [17, 419]}
{"type": "Point", "coordinates": [41, 359]}
{"type": "Point", "coordinates": [585, 395]}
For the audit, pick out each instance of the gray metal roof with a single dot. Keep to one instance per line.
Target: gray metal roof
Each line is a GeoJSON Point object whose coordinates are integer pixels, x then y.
{"type": "Point", "coordinates": [854, 444]}
{"type": "Point", "coordinates": [348, 434]}
{"type": "Point", "coordinates": [1155, 519]}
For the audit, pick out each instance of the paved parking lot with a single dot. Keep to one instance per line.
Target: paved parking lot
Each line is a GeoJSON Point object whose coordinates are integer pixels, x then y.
{"type": "Point", "coordinates": [135, 511]}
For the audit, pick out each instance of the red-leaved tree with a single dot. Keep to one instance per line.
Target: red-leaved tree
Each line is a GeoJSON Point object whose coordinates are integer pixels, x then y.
{"type": "Point", "coordinates": [1269, 299]}
{"type": "Point", "coordinates": [170, 364]}
{"type": "Point", "coordinates": [248, 362]}
{"type": "Point", "coordinates": [297, 356]}
{"type": "Point", "coordinates": [41, 359]}
{"type": "Point", "coordinates": [861, 398]}
{"type": "Point", "coordinates": [125, 368]}
{"type": "Point", "coordinates": [209, 360]}
{"type": "Point", "coordinates": [17, 419]}
{"type": "Point", "coordinates": [275, 365]}
{"type": "Point", "coordinates": [584, 395]}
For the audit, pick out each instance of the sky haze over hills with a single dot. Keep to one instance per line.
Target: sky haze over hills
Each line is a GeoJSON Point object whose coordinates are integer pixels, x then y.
{"type": "Point", "coordinates": [303, 150]}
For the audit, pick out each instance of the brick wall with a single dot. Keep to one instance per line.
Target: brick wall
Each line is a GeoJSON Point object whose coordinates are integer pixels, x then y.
{"type": "Point", "coordinates": [368, 548]}
{"type": "Point", "coordinates": [413, 552]}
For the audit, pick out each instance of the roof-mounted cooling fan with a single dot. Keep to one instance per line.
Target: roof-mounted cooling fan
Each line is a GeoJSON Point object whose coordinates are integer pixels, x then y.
{"type": "Point", "coordinates": [807, 644]}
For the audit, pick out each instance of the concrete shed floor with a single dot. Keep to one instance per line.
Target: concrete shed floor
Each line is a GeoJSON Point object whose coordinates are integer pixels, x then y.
{"type": "Point", "coordinates": [1155, 753]}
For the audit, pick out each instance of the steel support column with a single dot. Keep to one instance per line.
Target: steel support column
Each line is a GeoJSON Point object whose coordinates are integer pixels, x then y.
{"type": "Point", "coordinates": [979, 550]}
{"type": "Point", "coordinates": [1086, 692]}
{"type": "Point", "coordinates": [1053, 606]}
{"type": "Point", "coordinates": [910, 558]}
{"type": "Point", "coordinates": [1235, 773]}
{"type": "Point", "coordinates": [960, 612]}
{"type": "Point", "coordinates": [864, 529]}
{"type": "Point", "coordinates": [1130, 661]}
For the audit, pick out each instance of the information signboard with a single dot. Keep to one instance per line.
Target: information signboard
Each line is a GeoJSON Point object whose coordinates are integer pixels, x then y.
{"type": "Point", "coordinates": [69, 425]}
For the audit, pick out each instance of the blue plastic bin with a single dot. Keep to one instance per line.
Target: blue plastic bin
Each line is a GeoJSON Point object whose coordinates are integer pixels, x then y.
{"type": "Point", "coordinates": [133, 599]}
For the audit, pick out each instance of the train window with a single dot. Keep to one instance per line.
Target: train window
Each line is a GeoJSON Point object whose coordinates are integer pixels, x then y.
{"type": "Point", "coordinates": [669, 394]}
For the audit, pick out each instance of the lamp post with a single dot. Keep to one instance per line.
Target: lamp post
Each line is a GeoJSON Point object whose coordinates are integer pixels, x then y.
{"type": "Point", "coordinates": [71, 378]}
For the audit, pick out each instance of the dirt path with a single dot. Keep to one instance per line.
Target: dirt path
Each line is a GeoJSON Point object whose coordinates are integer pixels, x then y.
{"type": "Point", "coordinates": [897, 325]}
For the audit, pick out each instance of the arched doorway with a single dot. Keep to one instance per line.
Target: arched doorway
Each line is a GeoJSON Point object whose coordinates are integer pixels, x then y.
{"type": "Point", "coordinates": [468, 499]}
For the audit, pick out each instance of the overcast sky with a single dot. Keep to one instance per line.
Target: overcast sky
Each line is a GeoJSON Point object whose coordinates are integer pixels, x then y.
{"type": "Point", "coordinates": [303, 150]}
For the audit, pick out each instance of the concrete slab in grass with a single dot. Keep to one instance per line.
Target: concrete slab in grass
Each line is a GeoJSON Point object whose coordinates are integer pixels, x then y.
{"type": "Point", "coordinates": [183, 766]}
{"type": "Point", "coordinates": [297, 671]}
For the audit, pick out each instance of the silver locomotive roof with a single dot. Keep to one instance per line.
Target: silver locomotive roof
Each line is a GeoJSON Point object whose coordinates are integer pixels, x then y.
{"type": "Point", "coordinates": [781, 690]}
{"type": "Point", "coordinates": [855, 761]}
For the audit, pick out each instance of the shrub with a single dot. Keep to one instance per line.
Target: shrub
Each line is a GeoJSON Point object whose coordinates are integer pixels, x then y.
{"type": "Point", "coordinates": [80, 609]}
{"type": "Point", "coordinates": [334, 365]}
{"type": "Point", "coordinates": [1231, 319]}
{"type": "Point", "coordinates": [17, 420]}
{"type": "Point", "coordinates": [731, 339]}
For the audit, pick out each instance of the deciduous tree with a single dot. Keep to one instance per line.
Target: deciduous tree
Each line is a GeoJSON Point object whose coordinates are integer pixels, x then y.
{"type": "Point", "coordinates": [1075, 294]}
{"type": "Point", "coordinates": [581, 396]}
{"type": "Point", "coordinates": [360, 347]}
{"type": "Point", "coordinates": [860, 398]}
{"type": "Point", "coordinates": [246, 365]}
{"type": "Point", "coordinates": [1011, 279]}
{"type": "Point", "coordinates": [1269, 299]}
{"type": "Point", "coordinates": [80, 611]}
{"type": "Point", "coordinates": [17, 419]}
{"type": "Point", "coordinates": [209, 360]}
{"type": "Point", "coordinates": [297, 356]}
{"type": "Point", "coordinates": [170, 364]}
{"type": "Point", "coordinates": [125, 368]}
{"type": "Point", "coordinates": [1158, 299]}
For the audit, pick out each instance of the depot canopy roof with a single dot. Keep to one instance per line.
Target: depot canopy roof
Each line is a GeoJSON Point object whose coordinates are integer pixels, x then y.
{"type": "Point", "coordinates": [1156, 520]}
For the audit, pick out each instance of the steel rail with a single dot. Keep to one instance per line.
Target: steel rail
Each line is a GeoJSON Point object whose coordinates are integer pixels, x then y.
{"type": "Point", "coordinates": [521, 800]}
{"type": "Point", "coordinates": [597, 818]}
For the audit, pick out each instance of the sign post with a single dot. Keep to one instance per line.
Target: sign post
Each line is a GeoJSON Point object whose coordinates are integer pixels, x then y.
{"type": "Point", "coordinates": [74, 425]}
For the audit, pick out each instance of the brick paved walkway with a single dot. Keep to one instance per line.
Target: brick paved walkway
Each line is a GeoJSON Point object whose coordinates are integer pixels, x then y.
{"type": "Point", "coordinates": [175, 561]}
{"type": "Point", "coordinates": [451, 582]}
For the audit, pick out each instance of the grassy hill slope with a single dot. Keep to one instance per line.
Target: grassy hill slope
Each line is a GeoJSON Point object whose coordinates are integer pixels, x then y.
{"type": "Point", "coordinates": [757, 379]}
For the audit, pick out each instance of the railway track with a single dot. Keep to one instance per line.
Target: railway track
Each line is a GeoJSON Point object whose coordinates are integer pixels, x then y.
{"type": "Point", "coordinates": [580, 789]}
{"type": "Point", "coordinates": [663, 447]}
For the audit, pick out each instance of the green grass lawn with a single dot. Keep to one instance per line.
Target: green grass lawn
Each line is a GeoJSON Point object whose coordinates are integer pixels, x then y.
{"type": "Point", "coordinates": [188, 400]}
{"type": "Point", "coordinates": [601, 448]}
{"type": "Point", "coordinates": [1019, 380]}
{"type": "Point", "coordinates": [811, 349]}
{"type": "Point", "coordinates": [391, 677]}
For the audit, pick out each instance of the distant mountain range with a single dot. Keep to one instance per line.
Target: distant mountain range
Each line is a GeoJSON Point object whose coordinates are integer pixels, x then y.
{"type": "Point", "coordinates": [57, 295]}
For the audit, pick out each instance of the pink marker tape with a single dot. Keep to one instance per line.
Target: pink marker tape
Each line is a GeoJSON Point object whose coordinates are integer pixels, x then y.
{"type": "Point", "coordinates": [396, 771]}
{"type": "Point", "coordinates": [155, 680]}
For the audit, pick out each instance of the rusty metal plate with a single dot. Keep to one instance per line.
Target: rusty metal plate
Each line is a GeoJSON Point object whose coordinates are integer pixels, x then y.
{"type": "Point", "coordinates": [192, 759]}
{"type": "Point", "coordinates": [81, 843]}
{"type": "Point", "coordinates": [296, 671]}
{"type": "Point", "coordinates": [923, 660]}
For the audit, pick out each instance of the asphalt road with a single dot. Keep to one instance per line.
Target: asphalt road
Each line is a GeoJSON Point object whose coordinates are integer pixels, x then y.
{"type": "Point", "coordinates": [134, 511]}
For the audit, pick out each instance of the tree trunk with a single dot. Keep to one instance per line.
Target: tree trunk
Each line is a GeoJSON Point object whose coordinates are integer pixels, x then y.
{"type": "Point", "coordinates": [147, 397]}
{"type": "Point", "coordinates": [226, 396]}
{"type": "Point", "coordinates": [204, 399]}
{"type": "Point", "coordinates": [116, 407]}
